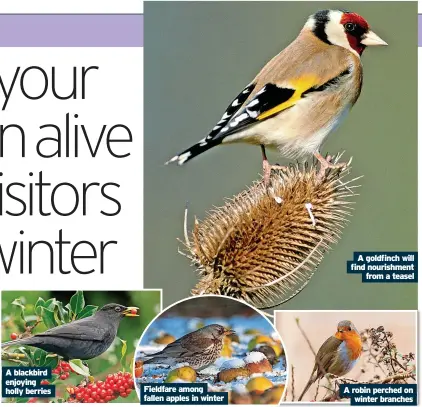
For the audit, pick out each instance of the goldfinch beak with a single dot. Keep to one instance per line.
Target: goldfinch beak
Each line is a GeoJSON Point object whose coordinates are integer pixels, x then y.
{"type": "Point", "coordinates": [131, 312]}
{"type": "Point", "coordinates": [371, 38]}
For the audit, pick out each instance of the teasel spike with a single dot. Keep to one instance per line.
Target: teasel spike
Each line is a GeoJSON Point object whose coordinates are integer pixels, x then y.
{"type": "Point", "coordinates": [263, 252]}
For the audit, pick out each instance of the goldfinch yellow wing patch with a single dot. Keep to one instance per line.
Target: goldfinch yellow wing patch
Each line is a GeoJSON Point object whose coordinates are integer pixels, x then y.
{"type": "Point", "coordinates": [298, 88]}
{"type": "Point", "coordinates": [269, 101]}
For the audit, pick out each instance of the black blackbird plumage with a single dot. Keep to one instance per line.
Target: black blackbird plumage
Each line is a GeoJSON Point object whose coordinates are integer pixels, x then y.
{"type": "Point", "coordinates": [83, 339]}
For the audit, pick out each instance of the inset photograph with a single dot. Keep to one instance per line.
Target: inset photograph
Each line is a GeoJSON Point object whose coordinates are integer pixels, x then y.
{"type": "Point", "coordinates": [329, 348]}
{"type": "Point", "coordinates": [87, 338]}
{"type": "Point", "coordinates": [271, 126]}
{"type": "Point", "coordinates": [215, 340]}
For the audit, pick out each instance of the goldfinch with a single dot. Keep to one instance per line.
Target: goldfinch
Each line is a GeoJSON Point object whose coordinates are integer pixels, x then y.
{"type": "Point", "coordinates": [301, 95]}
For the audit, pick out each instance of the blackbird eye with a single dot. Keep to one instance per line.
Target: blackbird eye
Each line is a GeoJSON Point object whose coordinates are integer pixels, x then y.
{"type": "Point", "coordinates": [117, 309]}
{"type": "Point", "coordinates": [349, 27]}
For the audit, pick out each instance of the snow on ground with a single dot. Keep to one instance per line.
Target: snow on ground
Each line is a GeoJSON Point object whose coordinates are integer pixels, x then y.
{"type": "Point", "coordinates": [179, 326]}
{"type": "Point", "coordinates": [240, 389]}
{"type": "Point", "coordinates": [232, 363]}
{"type": "Point", "coordinates": [254, 357]}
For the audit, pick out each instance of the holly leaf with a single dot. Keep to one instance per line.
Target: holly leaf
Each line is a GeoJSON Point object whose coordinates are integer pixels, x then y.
{"type": "Point", "coordinates": [51, 361]}
{"type": "Point", "coordinates": [48, 318]}
{"type": "Point", "coordinates": [21, 400]}
{"type": "Point", "coordinates": [26, 351]}
{"type": "Point", "coordinates": [39, 357]}
{"type": "Point", "coordinates": [62, 313]}
{"type": "Point", "coordinates": [77, 303]}
{"type": "Point", "coordinates": [79, 368]}
{"type": "Point", "coordinates": [18, 303]}
{"type": "Point", "coordinates": [50, 304]}
{"type": "Point", "coordinates": [87, 311]}
{"type": "Point", "coordinates": [37, 307]}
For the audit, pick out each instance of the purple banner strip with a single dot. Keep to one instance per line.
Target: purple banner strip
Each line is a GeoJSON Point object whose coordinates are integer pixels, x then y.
{"type": "Point", "coordinates": [71, 30]}
{"type": "Point", "coordinates": [419, 30]}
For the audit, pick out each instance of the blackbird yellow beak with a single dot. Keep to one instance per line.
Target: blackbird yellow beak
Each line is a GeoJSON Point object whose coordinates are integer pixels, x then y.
{"type": "Point", "coordinates": [131, 312]}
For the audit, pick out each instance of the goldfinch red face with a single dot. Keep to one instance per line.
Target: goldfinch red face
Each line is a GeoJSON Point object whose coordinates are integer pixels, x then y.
{"type": "Point", "coordinates": [343, 28]}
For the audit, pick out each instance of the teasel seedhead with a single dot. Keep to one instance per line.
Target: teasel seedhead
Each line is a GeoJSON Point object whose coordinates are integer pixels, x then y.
{"type": "Point", "coordinates": [264, 245]}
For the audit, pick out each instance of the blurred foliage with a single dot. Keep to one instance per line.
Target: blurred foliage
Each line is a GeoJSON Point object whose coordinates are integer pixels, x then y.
{"type": "Point", "coordinates": [35, 311]}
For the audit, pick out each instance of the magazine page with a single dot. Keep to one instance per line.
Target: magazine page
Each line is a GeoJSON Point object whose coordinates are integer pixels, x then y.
{"type": "Point", "coordinates": [209, 202]}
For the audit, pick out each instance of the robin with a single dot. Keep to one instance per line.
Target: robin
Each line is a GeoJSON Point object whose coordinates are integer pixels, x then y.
{"type": "Point", "coordinates": [198, 349]}
{"type": "Point", "coordinates": [337, 355]}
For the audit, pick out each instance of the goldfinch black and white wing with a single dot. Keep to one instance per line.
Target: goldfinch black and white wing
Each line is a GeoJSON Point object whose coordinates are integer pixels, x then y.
{"type": "Point", "coordinates": [213, 138]}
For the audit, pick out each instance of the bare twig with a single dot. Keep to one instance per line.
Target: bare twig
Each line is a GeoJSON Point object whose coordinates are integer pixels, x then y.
{"type": "Point", "coordinates": [13, 357]}
{"type": "Point", "coordinates": [316, 390]}
{"type": "Point", "coordinates": [293, 383]}
{"type": "Point", "coordinates": [317, 361]}
{"type": "Point", "coordinates": [397, 377]}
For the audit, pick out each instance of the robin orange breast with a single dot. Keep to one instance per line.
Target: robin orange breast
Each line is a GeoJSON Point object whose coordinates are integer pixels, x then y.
{"type": "Point", "coordinates": [337, 355]}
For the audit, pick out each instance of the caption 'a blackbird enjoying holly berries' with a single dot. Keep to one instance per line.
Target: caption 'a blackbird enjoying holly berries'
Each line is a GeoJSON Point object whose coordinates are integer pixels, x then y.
{"type": "Point", "coordinates": [83, 339]}
{"type": "Point", "coordinates": [199, 349]}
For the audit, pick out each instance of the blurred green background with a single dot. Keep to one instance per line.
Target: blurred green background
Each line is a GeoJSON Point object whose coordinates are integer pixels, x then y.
{"type": "Point", "coordinates": [198, 57]}
{"type": "Point", "coordinates": [130, 329]}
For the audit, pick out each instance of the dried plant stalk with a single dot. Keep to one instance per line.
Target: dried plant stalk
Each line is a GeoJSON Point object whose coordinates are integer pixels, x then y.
{"type": "Point", "coordinates": [265, 252]}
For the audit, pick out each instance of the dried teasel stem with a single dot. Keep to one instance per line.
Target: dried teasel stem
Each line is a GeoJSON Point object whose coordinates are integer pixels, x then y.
{"type": "Point", "coordinates": [262, 250]}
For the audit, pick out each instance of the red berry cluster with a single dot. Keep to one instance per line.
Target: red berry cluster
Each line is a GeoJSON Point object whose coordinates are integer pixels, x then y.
{"type": "Point", "coordinates": [115, 385]}
{"type": "Point", "coordinates": [63, 370]}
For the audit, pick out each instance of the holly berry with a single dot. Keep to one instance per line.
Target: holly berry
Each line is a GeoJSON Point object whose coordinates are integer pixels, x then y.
{"type": "Point", "coordinates": [134, 311]}
{"type": "Point", "coordinates": [115, 385]}
{"type": "Point", "coordinates": [62, 370]}
{"type": "Point", "coordinates": [14, 336]}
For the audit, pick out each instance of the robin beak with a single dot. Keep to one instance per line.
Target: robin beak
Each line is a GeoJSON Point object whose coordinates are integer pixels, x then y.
{"type": "Point", "coordinates": [131, 312]}
{"type": "Point", "coordinates": [229, 332]}
{"type": "Point", "coordinates": [370, 38]}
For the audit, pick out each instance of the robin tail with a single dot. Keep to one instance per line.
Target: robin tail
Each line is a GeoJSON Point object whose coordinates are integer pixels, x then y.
{"type": "Point", "coordinates": [311, 380]}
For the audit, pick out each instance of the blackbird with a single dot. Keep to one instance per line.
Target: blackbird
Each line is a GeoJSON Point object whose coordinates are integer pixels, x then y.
{"type": "Point", "coordinates": [84, 338]}
{"type": "Point", "coordinates": [199, 349]}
